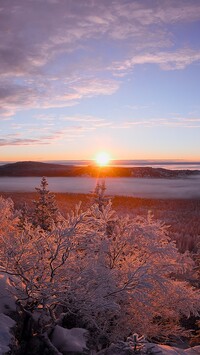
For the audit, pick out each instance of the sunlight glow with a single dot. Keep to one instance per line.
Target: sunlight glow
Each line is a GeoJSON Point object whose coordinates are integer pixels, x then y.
{"type": "Point", "coordinates": [103, 159]}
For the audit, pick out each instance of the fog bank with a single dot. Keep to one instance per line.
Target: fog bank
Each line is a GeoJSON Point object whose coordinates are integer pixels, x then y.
{"type": "Point", "coordinates": [136, 187]}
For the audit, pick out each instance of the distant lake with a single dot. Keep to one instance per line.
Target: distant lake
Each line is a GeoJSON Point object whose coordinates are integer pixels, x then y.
{"type": "Point", "coordinates": [136, 187]}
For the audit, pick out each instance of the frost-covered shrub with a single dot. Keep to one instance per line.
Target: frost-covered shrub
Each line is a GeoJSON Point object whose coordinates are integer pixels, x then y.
{"type": "Point", "coordinates": [128, 280]}
{"type": "Point", "coordinates": [117, 280]}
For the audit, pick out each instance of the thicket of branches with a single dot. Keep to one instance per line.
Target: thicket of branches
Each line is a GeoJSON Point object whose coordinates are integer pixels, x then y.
{"type": "Point", "coordinates": [116, 275]}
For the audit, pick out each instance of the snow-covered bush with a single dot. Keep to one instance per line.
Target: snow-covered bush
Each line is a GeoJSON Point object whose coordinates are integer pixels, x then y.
{"type": "Point", "coordinates": [118, 275]}
{"type": "Point", "coordinates": [42, 261]}
{"type": "Point", "coordinates": [127, 280]}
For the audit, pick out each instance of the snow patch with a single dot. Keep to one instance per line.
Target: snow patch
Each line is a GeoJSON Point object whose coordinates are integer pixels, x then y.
{"type": "Point", "coordinates": [152, 348]}
{"type": "Point", "coordinates": [69, 339]}
{"type": "Point", "coordinates": [7, 300]}
{"type": "Point", "coordinates": [193, 351]}
{"type": "Point", "coordinates": [6, 323]}
{"type": "Point", "coordinates": [167, 350]}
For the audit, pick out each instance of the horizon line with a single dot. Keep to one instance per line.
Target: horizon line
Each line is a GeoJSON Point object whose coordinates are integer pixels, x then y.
{"type": "Point", "coordinates": [136, 161]}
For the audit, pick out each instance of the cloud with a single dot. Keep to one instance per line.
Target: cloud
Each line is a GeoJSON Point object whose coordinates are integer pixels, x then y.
{"type": "Point", "coordinates": [166, 60]}
{"type": "Point", "coordinates": [6, 114]}
{"type": "Point", "coordinates": [183, 122]}
{"type": "Point", "coordinates": [93, 87]}
{"type": "Point", "coordinates": [11, 140]}
{"type": "Point", "coordinates": [79, 126]}
{"type": "Point", "coordinates": [51, 94]}
{"type": "Point", "coordinates": [34, 33]}
{"type": "Point", "coordinates": [50, 132]}
{"type": "Point", "coordinates": [17, 141]}
{"type": "Point", "coordinates": [55, 53]}
{"type": "Point", "coordinates": [83, 118]}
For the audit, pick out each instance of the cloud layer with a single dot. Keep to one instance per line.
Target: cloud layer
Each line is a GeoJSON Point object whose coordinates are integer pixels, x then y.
{"type": "Point", "coordinates": [58, 53]}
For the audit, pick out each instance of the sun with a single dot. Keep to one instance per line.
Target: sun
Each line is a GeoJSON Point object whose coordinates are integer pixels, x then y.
{"type": "Point", "coordinates": [102, 159]}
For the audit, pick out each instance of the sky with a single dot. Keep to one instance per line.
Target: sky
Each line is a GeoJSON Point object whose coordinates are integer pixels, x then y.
{"type": "Point", "coordinates": [82, 76]}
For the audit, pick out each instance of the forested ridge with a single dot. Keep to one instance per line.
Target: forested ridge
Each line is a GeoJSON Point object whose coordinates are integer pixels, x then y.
{"type": "Point", "coordinates": [31, 168]}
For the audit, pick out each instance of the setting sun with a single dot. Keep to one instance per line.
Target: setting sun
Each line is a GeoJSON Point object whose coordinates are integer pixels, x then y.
{"type": "Point", "coordinates": [102, 159]}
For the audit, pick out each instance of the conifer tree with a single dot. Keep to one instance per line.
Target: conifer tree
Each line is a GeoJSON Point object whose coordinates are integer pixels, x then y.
{"type": "Point", "coordinates": [101, 200]}
{"type": "Point", "coordinates": [23, 217]}
{"type": "Point", "coordinates": [99, 195]}
{"type": "Point", "coordinates": [46, 211]}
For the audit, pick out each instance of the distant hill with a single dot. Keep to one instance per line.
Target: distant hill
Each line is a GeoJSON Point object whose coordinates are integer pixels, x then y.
{"type": "Point", "coordinates": [30, 168]}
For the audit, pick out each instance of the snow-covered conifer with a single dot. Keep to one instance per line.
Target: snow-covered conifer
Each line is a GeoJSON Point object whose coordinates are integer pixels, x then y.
{"type": "Point", "coordinates": [23, 217]}
{"type": "Point", "coordinates": [8, 216]}
{"type": "Point", "coordinates": [46, 211]}
{"type": "Point", "coordinates": [99, 196]}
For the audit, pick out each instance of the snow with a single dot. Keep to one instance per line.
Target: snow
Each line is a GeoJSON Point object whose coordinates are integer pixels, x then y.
{"type": "Point", "coordinates": [168, 350]}
{"type": "Point", "coordinates": [7, 300]}
{"type": "Point", "coordinates": [193, 351]}
{"type": "Point", "coordinates": [153, 348]}
{"type": "Point", "coordinates": [6, 323]}
{"type": "Point", "coordinates": [69, 339]}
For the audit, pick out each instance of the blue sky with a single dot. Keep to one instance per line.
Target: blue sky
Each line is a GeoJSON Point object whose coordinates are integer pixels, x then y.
{"type": "Point", "coordinates": [79, 77]}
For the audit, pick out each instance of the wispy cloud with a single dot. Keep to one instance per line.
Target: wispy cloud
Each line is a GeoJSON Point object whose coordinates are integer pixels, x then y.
{"type": "Point", "coordinates": [82, 118]}
{"type": "Point", "coordinates": [50, 132]}
{"type": "Point", "coordinates": [19, 141]}
{"type": "Point", "coordinates": [166, 60]}
{"type": "Point", "coordinates": [51, 94]}
{"type": "Point", "coordinates": [183, 122]}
